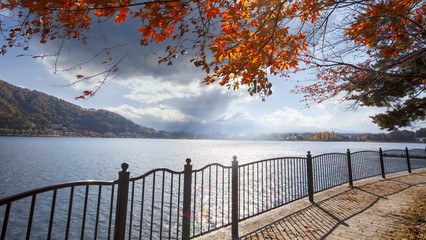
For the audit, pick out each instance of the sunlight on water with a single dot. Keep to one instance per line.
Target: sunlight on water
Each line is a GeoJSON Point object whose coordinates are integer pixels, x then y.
{"type": "Point", "coordinates": [28, 162]}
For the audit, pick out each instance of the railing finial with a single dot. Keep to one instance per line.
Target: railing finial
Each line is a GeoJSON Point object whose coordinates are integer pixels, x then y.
{"type": "Point", "coordinates": [124, 166]}
{"type": "Point", "coordinates": [188, 161]}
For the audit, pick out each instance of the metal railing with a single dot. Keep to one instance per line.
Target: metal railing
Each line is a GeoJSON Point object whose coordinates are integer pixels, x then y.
{"type": "Point", "coordinates": [270, 183]}
{"type": "Point", "coordinates": [165, 204]}
{"type": "Point", "coordinates": [75, 202]}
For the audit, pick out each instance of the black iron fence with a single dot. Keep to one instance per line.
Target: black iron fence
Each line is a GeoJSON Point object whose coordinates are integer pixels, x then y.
{"type": "Point", "coordinates": [165, 204]}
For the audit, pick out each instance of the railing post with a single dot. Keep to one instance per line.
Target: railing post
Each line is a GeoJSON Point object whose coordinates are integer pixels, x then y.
{"type": "Point", "coordinates": [310, 177]}
{"type": "Point", "coordinates": [121, 205]}
{"type": "Point", "coordinates": [351, 182]}
{"type": "Point", "coordinates": [382, 164]}
{"type": "Point", "coordinates": [235, 206]}
{"type": "Point", "coordinates": [187, 181]}
{"type": "Point", "coordinates": [408, 160]}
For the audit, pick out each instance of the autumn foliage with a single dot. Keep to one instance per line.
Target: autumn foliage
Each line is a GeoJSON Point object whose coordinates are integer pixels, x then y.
{"type": "Point", "coordinates": [245, 42]}
{"type": "Point", "coordinates": [235, 42]}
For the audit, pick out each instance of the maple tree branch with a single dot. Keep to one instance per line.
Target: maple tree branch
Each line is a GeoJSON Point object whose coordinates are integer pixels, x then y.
{"type": "Point", "coordinates": [108, 72]}
{"type": "Point", "coordinates": [267, 41]}
{"type": "Point", "coordinates": [57, 55]}
{"type": "Point", "coordinates": [392, 12]}
{"type": "Point", "coordinates": [382, 72]}
{"type": "Point", "coordinates": [95, 56]}
{"type": "Point", "coordinates": [268, 17]}
{"type": "Point", "coordinates": [112, 7]}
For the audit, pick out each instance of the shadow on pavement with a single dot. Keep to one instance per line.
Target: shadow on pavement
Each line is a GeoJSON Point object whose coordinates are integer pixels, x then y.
{"type": "Point", "coordinates": [320, 219]}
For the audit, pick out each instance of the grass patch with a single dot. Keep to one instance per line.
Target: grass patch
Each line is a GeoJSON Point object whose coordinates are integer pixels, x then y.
{"type": "Point", "coordinates": [414, 226]}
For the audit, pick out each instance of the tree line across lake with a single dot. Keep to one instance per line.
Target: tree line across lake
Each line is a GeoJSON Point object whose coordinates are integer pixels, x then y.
{"type": "Point", "coordinates": [394, 136]}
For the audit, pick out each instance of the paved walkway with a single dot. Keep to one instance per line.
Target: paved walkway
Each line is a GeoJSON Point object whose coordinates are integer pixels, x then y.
{"type": "Point", "coordinates": [370, 210]}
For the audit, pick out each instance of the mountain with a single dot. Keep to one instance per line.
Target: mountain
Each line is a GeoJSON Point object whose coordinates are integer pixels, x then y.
{"type": "Point", "coordinates": [29, 111]}
{"type": "Point", "coordinates": [230, 124]}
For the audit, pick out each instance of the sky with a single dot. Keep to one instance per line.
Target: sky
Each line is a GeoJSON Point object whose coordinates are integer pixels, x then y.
{"type": "Point", "coordinates": [172, 98]}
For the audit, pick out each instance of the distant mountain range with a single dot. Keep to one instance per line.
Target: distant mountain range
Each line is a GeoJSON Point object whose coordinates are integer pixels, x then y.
{"type": "Point", "coordinates": [238, 124]}
{"type": "Point", "coordinates": [230, 123]}
{"type": "Point", "coordinates": [29, 111]}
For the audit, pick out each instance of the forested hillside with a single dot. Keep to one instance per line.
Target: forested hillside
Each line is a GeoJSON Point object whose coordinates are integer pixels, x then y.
{"type": "Point", "coordinates": [23, 111]}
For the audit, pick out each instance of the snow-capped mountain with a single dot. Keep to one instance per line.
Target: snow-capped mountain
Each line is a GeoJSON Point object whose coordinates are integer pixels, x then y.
{"type": "Point", "coordinates": [231, 123]}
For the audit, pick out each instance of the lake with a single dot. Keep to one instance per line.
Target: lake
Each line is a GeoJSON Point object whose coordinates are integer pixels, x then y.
{"type": "Point", "coordinates": [30, 162]}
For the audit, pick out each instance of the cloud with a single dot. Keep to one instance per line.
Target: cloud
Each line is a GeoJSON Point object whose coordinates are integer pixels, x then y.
{"type": "Point", "coordinates": [326, 116]}
{"type": "Point", "coordinates": [151, 90]}
{"type": "Point", "coordinates": [286, 116]}
{"type": "Point", "coordinates": [160, 113]}
{"type": "Point", "coordinates": [180, 106]}
{"type": "Point", "coordinates": [210, 102]}
{"type": "Point", "coordinates": [118, 45]}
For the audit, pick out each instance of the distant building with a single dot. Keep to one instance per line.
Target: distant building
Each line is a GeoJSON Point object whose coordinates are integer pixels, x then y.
{"type": "Point", "coordinates": [109, 134]}
{"type": "Point", "coordinates": [162, 133]}
{"type": "Point", "coordinates": [123, 134]}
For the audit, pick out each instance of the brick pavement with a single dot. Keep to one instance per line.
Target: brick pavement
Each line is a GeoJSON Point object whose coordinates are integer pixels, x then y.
{"type": "Point", "coordinates": [370, 210]}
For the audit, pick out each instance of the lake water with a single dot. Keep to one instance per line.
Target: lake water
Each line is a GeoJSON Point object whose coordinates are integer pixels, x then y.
{"type": "Point", "coordinates": [30, 162]}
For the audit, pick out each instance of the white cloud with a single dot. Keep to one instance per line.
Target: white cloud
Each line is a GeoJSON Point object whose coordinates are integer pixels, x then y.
{"type": "Point", "coordinates": [151, 90]}
{"type": "Point", "coordinates": [287, 117]}
{"type": "Point", "coordinates": [159, 113]}
{"type": "Point", "coordinates": [326, 116]}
